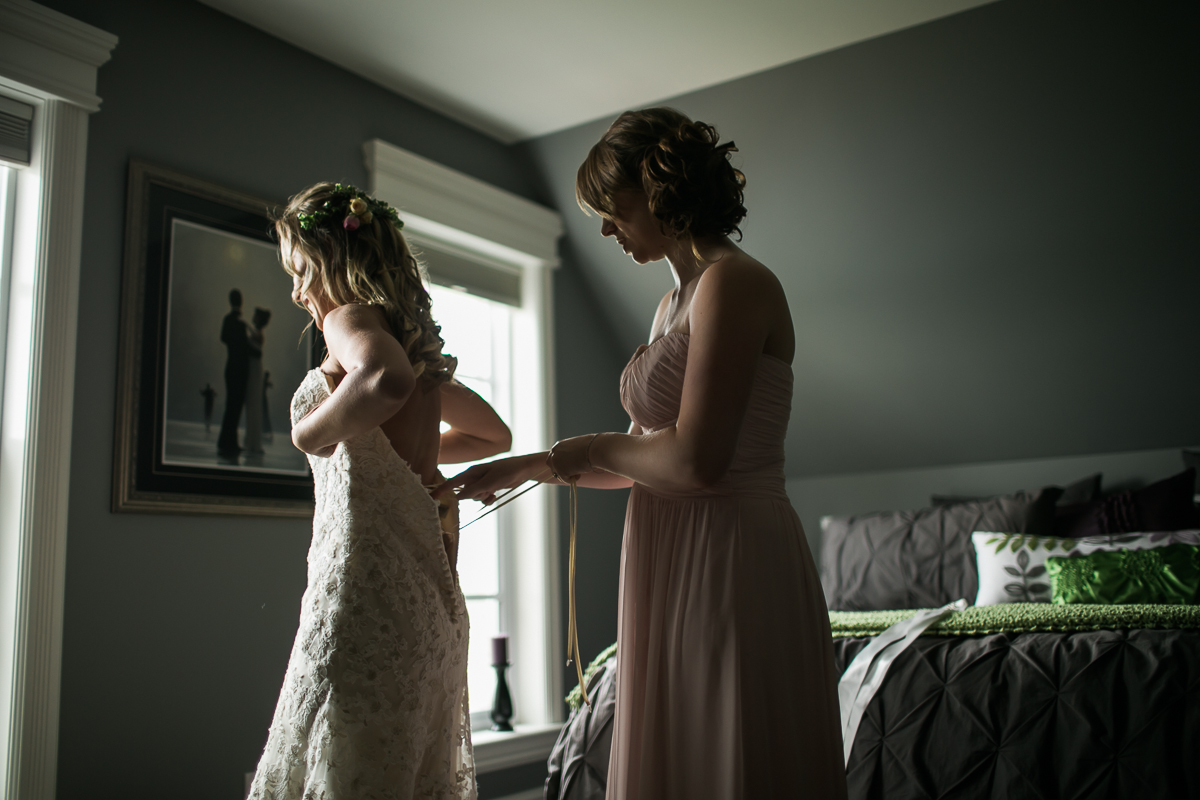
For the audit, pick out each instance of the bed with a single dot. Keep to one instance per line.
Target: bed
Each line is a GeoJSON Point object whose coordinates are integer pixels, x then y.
{"type": "Point", "coordinates": [1027, 700]}
{"type": "Point", "coordinates": [1032, 700]}
{"type": "Point", "coordinates": [1006, 700]}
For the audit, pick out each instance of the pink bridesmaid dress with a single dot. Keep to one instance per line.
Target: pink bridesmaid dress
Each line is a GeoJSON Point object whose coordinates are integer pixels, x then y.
{"type": "Point", "coordinates": [725, 679]}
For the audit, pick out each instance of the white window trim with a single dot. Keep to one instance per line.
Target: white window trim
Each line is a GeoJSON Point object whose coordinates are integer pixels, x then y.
{"type": "Point", "coordinates": [441, 206]}
{"type": "Point", "coordinates": [527, 744]}
{"type": "Point", "coordinates": [49, 60]}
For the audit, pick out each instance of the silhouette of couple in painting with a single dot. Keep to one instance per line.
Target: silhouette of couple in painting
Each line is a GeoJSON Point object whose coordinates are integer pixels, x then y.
{"type": "Point", "coordinates": [245, 381]}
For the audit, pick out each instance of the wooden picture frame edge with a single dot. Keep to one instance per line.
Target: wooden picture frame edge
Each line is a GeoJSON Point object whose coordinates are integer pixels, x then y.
{"type": "Point", "coordinates": [125, 496]}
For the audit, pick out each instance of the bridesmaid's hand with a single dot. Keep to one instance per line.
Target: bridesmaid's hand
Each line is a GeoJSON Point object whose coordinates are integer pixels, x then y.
{"type": "Point", "coordinates": [482, 481]}
{"type": "Point", "coordinates": [569, 457]}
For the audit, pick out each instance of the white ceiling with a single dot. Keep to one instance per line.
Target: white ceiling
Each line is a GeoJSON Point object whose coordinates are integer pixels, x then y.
{"type": "Point", "coordinates": [516, 69]}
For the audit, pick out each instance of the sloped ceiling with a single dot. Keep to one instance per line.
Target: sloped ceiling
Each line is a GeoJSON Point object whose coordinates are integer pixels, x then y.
{"type": "Point", "coordinates": [985, 227]}
{"type": "Point", "coordinates": [523, 68]}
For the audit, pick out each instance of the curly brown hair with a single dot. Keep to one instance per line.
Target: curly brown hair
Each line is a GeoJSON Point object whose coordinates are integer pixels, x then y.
{"type": "Point", "coordinates": [693, 189]}
{"type": "Point", "coordinates": [372, 265]}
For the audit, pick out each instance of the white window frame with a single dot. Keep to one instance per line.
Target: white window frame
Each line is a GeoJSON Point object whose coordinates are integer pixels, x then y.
{"type": "Point", "coordinates": [443, 207]}
{"type": "Point", "coordinates": [49, 61]}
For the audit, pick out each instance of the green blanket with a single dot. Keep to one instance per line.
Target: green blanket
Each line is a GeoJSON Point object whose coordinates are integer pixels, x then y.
{"type": "Point", "coordinates": [1023, 618]}
{"type": "Point", "coordinates": [978, 620]}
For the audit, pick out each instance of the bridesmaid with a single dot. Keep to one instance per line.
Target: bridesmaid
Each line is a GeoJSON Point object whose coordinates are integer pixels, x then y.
{"type": "Point", "coordinates": [725, 679]}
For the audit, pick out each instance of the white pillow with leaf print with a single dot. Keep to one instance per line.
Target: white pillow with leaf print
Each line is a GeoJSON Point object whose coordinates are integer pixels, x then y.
{"type": "Point", "coordinates": [1012, 566]}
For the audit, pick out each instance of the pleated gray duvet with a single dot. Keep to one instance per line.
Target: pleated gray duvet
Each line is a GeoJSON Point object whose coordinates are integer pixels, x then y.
{"type": "Point", "coordinates": [1032, 701]}
{"type": "Point", "coordinates": [1086, 714]}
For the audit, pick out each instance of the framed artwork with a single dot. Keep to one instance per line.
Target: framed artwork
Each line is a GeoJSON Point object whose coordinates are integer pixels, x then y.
{"type": "Point", "coordinates": [211, 349]}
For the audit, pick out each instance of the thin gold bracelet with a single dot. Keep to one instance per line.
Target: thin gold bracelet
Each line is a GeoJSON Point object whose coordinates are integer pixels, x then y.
{"type": "Point", "coordinates": [587, 454]}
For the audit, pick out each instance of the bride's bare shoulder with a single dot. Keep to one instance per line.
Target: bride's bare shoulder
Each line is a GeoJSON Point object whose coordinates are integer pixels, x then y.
{"type": "Point", "coordinates": [356, 316]}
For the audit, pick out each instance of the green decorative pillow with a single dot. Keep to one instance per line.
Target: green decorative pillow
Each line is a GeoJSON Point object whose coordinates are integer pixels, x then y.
{"type": "Point", "coordinates": [1163, 575]}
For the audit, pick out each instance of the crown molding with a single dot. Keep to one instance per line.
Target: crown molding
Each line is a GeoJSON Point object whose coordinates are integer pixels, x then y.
{"type": "Point", "coordinates": [51, 53]}
{"type": "Point", "coordinates": [447, 205]}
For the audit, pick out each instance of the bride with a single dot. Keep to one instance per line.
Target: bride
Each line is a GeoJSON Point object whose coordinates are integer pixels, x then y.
{"type": "Point", "coordinates": [374, 701]}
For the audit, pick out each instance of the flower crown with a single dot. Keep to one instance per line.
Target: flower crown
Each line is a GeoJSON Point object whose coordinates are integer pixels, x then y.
{"type": "Point", "coordinates": [352, 206]}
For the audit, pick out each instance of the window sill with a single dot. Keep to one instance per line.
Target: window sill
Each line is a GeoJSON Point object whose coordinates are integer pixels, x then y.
{"type": "Point", "coordinates": [526, 745]}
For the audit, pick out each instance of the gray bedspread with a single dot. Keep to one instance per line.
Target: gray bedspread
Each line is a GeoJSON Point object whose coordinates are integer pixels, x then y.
{"type": "Point", "coordinates": [1065, 703]}
{"type": "Point", "coordinates": [1089, 714]}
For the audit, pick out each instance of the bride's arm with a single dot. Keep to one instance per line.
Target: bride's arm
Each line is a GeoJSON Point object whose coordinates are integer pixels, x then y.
{"type": "Point", "coordinates": [732, 314]}
{"type": "Point", "coordinates": [378, 380]}
{"type": "Point", "coordinates": [476, 430]}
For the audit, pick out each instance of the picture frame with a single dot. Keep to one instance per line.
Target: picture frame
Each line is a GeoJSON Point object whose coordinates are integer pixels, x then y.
{"type": "Point", "coordinates": [208, 334]}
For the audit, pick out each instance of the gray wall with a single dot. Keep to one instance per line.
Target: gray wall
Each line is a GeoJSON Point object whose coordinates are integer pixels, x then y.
{"type": "Point", "coordinates": [987, 230]}
{"type": "Point", "coordinates": [178, 629]}
{"type": "Point", "coordinates": [588, 363]}
{"type": "Point", "coordinates": [986, 227]}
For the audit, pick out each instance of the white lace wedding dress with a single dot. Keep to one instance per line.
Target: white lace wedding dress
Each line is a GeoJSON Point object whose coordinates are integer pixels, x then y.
{"type": "Point", "coordinates": [374, 702]}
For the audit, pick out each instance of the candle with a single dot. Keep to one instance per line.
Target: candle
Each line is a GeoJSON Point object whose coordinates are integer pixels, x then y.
{"type": "Point", "coordinates": [500, 650]}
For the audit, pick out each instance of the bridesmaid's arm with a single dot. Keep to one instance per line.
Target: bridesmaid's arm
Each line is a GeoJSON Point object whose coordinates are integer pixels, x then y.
{"type": "Point", "coordinates": [732, 314]}
{"type": "Point", "coordinates": [482, 481]}
{"type": "Point", "coordinates": [601, 479]}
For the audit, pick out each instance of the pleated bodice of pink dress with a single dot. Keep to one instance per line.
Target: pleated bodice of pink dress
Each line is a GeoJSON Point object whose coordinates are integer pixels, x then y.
{"type": "Point", "coordinates": [725, 679]}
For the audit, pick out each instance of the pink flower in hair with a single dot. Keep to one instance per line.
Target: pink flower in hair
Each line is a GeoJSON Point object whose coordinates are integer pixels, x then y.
{"type": "Point", "coordinates": [351, 222]}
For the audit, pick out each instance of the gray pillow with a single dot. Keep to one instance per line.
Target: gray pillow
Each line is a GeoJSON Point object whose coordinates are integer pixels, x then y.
{"type": "Point", "coordinates": [922, 558]}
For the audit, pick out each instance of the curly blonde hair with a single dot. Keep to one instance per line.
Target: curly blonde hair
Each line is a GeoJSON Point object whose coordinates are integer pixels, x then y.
{"type": "Point", "coordinates": [372, 265]}
{"type": "Point", "coordinates": [693, 189]}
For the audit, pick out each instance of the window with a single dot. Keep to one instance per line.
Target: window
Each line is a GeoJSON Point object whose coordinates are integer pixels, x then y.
{"type": "Point", "coordinates": [8, 211]}
{"type": "Point", "coordinates": [47, 84]}
{"type": "Point", "coordinates": [16, 151]}
{"type": "Point", "coordinates": [478, 332]}
{"type": "Point", "coordinates": [490, 254]}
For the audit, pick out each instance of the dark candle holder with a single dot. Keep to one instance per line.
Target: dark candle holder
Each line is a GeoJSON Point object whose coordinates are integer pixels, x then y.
{"type": "Point", "coordinates": [502, 710]}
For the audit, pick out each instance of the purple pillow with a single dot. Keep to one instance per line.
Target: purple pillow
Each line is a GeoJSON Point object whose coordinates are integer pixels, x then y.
{"type": "Point", "coordinates": [1080, 491]}
{"type": "Point", "coordinates": [1163, 506]}
{"type": "Point", "coordinates": [1191, 458]}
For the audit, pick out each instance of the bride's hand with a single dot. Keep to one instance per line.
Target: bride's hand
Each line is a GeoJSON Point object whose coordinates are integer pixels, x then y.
{"type": "Point", "coordinates": [482, 481]}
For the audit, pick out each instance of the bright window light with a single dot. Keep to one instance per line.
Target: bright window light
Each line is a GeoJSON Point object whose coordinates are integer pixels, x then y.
{"type": "Point", "coordinates": [8, 191]}
{"type": "Point", "coordinates": [478, 332]}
